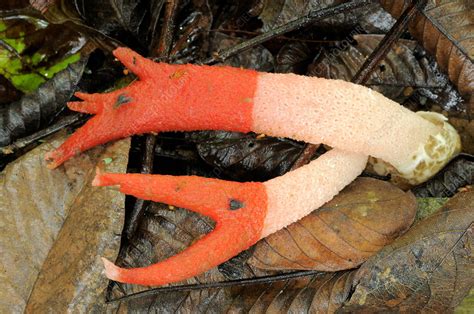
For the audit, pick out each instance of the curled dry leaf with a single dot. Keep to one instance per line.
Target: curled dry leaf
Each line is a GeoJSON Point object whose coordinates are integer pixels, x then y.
{"type": "Point", "coordinates": [367, 215]}
{"type": "Point", "coordinates": [54, 226]}
{"type": "Point", "coordinates": [428, 269]}
{"type": "Point", "coordinates": [445, 28]}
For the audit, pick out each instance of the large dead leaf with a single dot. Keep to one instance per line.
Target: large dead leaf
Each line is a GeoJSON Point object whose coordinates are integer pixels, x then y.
{"type": "Point", "coordinates": [54, 227]}
{"type": "Point", "coordinates": [429, 269]}
{"type": "Point", "coordinates": [367, 215]}
{"type": "Point", "coordinates": [445, 28]}
{"type": "Point", "coordinates": [277, 294]}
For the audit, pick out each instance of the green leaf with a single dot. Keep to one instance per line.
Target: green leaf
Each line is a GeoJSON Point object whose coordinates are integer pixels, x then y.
{"type": "Point", "coordinates": [32, 51]}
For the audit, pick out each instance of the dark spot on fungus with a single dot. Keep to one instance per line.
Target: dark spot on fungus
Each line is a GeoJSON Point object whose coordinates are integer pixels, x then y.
{"type": "Point", "coordinates": [235, 204]}
{"type": "Point", "coordinates": [134, 60]}
{"type": "Point", "coordinates": [122, 99]}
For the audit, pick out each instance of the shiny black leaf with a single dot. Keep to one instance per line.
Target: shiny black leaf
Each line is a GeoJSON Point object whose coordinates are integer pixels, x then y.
{"type": "Point", "coordinates": [37, 109]}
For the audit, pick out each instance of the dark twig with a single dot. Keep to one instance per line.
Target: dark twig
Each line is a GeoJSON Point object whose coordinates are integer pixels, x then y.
{"type": "Point", "coordinates": [217, 285]}
{"type": "Point", "coordinates": [288, 27]}
{"type": "Point", "coordinates": [387, 42]}
{"type": "Point", "coordinates": [162, 50]}
{"type": "Point", "coordinates": [371, 62]}
{"type": "Point", "coordinates": [28, 140]}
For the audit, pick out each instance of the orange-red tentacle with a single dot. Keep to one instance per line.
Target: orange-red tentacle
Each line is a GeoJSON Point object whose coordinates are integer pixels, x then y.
{"type": "Point", "coordinates": [239, 210]}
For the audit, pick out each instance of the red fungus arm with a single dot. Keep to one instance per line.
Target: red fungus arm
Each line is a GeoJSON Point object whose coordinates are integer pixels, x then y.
{"type": "Point", "coordinates": [165, 98]}
{"type": "Point", "coordinates": [239, 210]}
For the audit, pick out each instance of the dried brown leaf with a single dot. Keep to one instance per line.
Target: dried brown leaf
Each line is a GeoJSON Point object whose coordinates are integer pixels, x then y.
{"type": "Point", "coordinates": [54, 227]}
{"type": "Point", "coordinates": [367, 215]}
{"type": "Point", "coordinates": [324, 292]}
{"type": "Point", "coordinates": [428, 269]}
{"type": "Point", "coordinates": [445, 29]}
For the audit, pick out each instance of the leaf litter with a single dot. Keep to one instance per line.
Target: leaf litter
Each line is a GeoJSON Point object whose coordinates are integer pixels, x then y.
{"type": "Point", "coordinates": [54, 228]}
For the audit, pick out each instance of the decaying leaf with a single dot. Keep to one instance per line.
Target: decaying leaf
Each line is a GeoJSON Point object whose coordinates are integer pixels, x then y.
{"type": "Point", "coordinates": [465, 128]}
{"type": "Point", "coordinates": [54, 227]}
{"type": "Point", "coordinates": [428, 269]}
{"type": "Point", "coordinates": [37, 109]}
{"type": "Point", "coordinates": [276, 13]}
{"type": "Point", "coordinates": [398, 76]}
{"type": "Point", "coordinates": [291, 293]}
{"type": "Point", "coordinates": [457, 174]}
{"type": "Point", "coordinates": [367, 215]}
{"type": "Point", "coordinates": [108, 22]}
{"type": "Point", "coordinates": [193, 34]}
{"type": "Point", "coordinates": [445, 28]}
{"type": "Point", "coordinates": [258, 58]}
{"type": "Point", "coordinates": [246, 156]}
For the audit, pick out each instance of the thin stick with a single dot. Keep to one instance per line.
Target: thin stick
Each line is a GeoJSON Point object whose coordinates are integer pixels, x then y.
{"type": "Point", "coordinates": [288, 27]}
{"type": "Point", "coordinates": [217, 285]}
{"type": "Point", "coordinates": [387, 42]}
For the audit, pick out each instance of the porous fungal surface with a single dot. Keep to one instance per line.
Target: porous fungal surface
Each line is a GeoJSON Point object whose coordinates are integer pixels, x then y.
{"type": "Point", "coordinates": [299, 192]}
{"type": "Point", "coordinates": [351, 117]}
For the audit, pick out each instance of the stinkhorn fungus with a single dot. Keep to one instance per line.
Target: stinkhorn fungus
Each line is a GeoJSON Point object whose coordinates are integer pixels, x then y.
{"type": "Point", "coordinates": [244, 212]}
{"type": "Point", "coordinates": [356, 121]}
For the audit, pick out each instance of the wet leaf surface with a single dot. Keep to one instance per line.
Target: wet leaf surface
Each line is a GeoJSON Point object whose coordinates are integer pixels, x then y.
{"type": "Point", "coordinates": [37, 109]}
{"type": "Point", "coordinates": [129, 22]}
{"type": "Point", "coordinates": [427, 269]}
{"type": "Point", "coordinates": [193, 33]}
{"type": "Point", "coordinates": [445, 28]}
{"type": "Point", "coordinates": [245, 156]}
{"type": "Point", "coordinates": [54, 227]}
{"type": "Point", "coordinates": [367, 215]}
